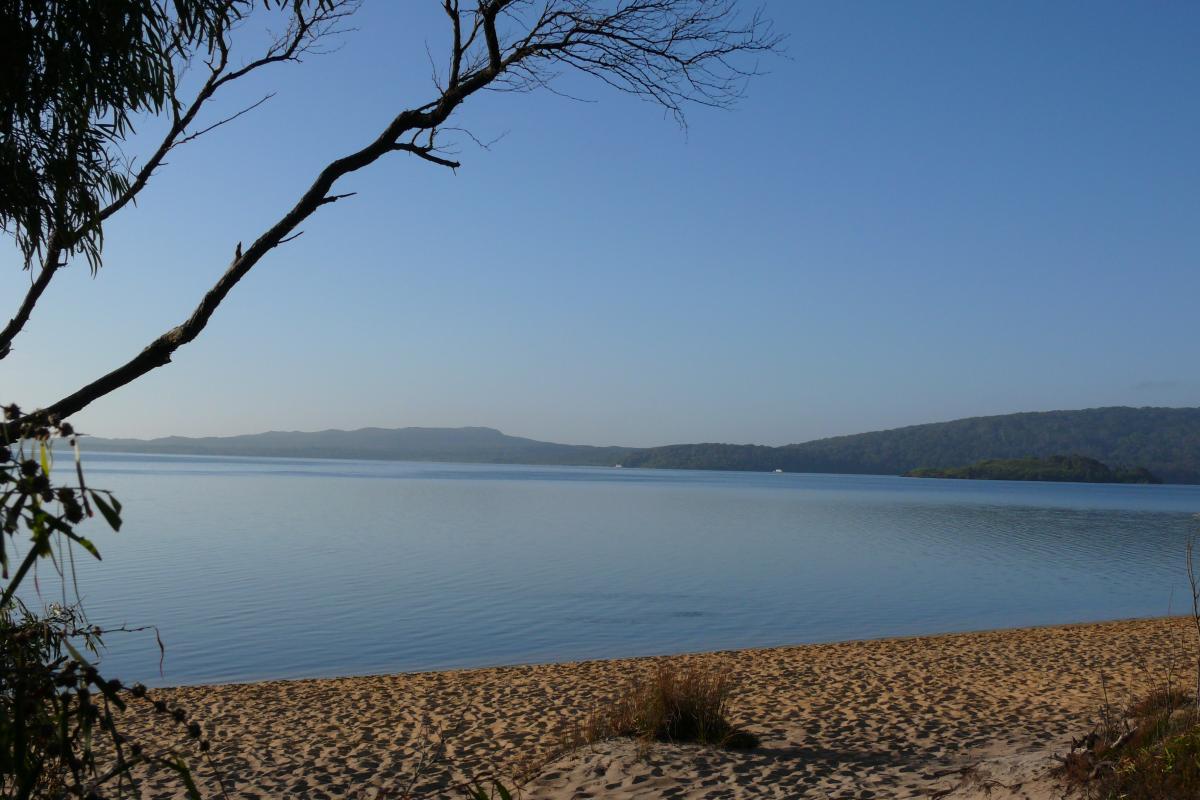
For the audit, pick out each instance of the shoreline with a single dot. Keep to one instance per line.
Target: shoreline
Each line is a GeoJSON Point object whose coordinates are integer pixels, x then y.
{"type": "Point", "coordinates": [604, 467]}
{"type": "Point", "coordinates": [890, 717]}
{"type": "Point", "coordinates": [654, 657]}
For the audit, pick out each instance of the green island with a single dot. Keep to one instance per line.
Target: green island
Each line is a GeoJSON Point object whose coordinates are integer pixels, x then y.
{"type": "Point", "coordinates": [1075, 469]}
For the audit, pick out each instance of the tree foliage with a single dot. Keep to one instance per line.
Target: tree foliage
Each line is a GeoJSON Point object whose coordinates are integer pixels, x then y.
{"type": "Point", "coordinates": [73, 76]}
{"type": "Point", "coordinates": [1074, 469]}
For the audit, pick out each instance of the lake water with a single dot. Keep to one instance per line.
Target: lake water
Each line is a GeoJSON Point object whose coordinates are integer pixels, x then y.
{"type": "Point", "coordinates": [279, 568]}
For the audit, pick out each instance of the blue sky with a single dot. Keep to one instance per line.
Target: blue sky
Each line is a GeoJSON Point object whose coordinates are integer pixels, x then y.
{"type": "Point", "coordinates": [926, 211]}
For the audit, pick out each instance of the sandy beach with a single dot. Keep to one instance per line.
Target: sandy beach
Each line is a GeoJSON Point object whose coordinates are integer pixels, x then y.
{"type": "Point", "coordinates": [956, 716]}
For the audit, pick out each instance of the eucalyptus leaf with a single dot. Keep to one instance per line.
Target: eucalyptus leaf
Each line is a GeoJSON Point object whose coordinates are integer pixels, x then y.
{"type": "Point", "coordinates": [111, 514]}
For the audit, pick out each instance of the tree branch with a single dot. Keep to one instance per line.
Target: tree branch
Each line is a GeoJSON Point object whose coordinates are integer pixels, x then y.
{"type": "Point", "coordinates": [50, 265]}
{"type": "Point", "coordinates": [225, 120]}
{"type": "Point", "coordinates": [426, 153]}
{"type": "Point", "coordinates": [456, 48]}
{"type": "Point", "coordinates": [488, 9]}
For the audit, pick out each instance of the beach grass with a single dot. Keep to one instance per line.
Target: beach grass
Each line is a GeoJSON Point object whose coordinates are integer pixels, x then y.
{"type": "Point", "coordinates": [1151, 751]}
{"type": "Point", "coordinates": [676, 704]}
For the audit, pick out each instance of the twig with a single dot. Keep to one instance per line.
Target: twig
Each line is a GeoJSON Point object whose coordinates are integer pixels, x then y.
{"type": "Point", "coordinates": [228, 119]}
{"type": "Point", "coordinates": [1194, 583]}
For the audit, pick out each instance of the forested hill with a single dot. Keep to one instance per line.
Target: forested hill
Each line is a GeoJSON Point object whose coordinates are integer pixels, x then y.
{"type": "Point", "coordinates": [1077, 469]}
{"type": "Point", "coordinates": [1165, 441]}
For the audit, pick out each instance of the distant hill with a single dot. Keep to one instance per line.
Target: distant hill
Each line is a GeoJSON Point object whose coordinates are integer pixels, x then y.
{"type": "Point", "coordinates": [1076, 469]}
{"type": "Point", "coordinates": [1165, 441]}
{"type": "Point", "coordinates": [486, 445]}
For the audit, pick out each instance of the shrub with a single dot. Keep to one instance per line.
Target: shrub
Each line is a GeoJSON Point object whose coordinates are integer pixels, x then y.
{"type": "Point", "coordinates": [58, 715]}
{"type": "Point", "coordinates": [688, 704]}
{"type": "Point", "coordinates": [1150, 752]}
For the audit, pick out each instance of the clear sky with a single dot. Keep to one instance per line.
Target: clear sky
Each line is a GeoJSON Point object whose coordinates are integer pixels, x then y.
{"type": "Point", "coordinates": [928, 210]}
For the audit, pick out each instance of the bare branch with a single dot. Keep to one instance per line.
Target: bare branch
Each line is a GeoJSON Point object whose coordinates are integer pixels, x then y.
{"type": "Point", "coordinates": [50, 264]}
{"type": "Point", "coordinates": [671, 52]}
{"type": "Point", "coordinates": [488, 10]}
{"type": "Point", "coordinates": [302, 35]}
{"type": "Point", "coordinates": [482, 145]}
{"type": "Point", "coordinates": [1194, 584]}
{"type": "Point", "coordinates": [426, 153]}
{"type": "Point", "coordinates": [333, 198]}
{"type": "Point", "coordinates": [456, 47]}
{"type": "Point", "coordinates": [224, 121]}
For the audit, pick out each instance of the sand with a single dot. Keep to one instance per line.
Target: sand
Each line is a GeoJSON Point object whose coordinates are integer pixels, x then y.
{"type": "Point", "coordinates": [959, 716]}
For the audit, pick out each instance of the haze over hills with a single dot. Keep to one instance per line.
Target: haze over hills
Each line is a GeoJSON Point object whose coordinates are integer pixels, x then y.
{"type": "Point", "coordinates": [485, 445]}
{"type": "Point", "coordinates": [1164, 440]}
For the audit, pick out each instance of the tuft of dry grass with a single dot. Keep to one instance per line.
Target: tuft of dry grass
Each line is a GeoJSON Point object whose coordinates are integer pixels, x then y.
{"type": "Point", "coordinates": [1150, 751]}
{"type": "Point", "coordinates": [1162, 699]}
{"type": "Point", "coordinates": [672, 704]}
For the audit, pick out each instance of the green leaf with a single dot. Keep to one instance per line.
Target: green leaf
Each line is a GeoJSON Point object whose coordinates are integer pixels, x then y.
{"type": "Point", "coordinates": [111, 515]}
{"type": "Point", "coordinates": [477, 791]}
{"type": "Point", "coordinates": [86, 544]}
{"type": "Point", "coordinates": [66, 530]}
{"type": "Point", "coordinates": [185, 775]}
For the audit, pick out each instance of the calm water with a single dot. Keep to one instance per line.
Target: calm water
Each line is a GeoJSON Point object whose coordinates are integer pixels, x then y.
{"type": "Point", "coordinates": [275, 568]}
